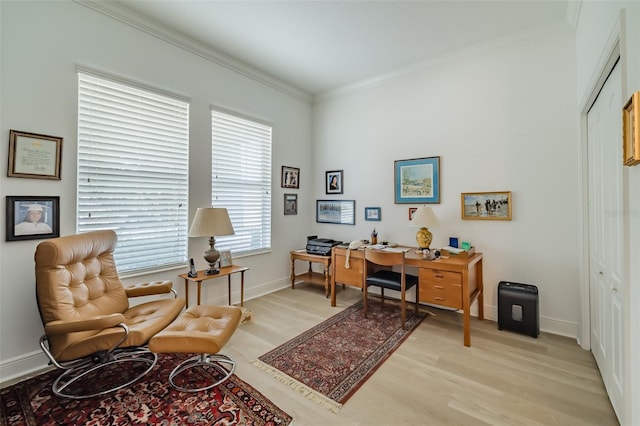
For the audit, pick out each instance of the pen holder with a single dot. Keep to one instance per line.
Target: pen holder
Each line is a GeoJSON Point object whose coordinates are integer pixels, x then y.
{"type": "Point", "coordinates": [374, 239]}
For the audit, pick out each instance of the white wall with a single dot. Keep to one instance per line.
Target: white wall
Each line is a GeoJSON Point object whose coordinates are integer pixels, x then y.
{"type": "Point", "coordinates": [598, 23]}
{"type": "Point", "coordinates": [502, 118]}
{"type": "Point", "coordinates": [41, 45]}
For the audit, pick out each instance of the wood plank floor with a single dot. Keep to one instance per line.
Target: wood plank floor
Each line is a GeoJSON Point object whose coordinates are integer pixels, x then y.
{"type": "Point", "coordinates": [504, 378]}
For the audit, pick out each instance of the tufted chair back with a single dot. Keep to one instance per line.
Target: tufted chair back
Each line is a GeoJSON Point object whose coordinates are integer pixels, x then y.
{"type": "Point", "coordinates": [76, 279]}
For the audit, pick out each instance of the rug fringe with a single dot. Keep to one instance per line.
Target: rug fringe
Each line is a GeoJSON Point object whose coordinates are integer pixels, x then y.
{"type": "Point", "coordinates": [309, 393]}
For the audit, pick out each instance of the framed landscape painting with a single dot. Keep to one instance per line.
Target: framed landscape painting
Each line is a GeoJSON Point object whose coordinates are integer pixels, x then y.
{"type": "Point", "coordinates": [486, 205]}
{"type": "Point", "coordinates": [417, 181]}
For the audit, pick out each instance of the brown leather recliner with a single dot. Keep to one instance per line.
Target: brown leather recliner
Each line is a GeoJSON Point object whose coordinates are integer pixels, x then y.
{"type": "Point", "coordinates": [85, 310]}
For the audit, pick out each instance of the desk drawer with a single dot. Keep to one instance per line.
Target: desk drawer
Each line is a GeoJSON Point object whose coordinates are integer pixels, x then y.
{"type": "Point", "coordinates": [353, 275]}
{"type": "Point", "coordinates": [441, 291]}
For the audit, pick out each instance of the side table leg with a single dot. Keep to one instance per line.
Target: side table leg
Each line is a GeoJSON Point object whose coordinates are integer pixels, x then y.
{"type": "Point", "coordinates": [293, 272]}
{"type": "Point", "coordinates": [199, 288]}
{"type": "Point", "coordinates": [326, 281]}
{"type": "Point", "coordinates": [241, 288]}
{"type": "Point", "coordinates": [186, 291]}
{"type": "Point", "coordinates": [229, 287]}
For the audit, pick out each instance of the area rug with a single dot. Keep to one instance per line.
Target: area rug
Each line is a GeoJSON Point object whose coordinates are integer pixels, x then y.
{"type": "Point", "coordinates": [330, 362]}
{"type": "Point", "coordinates": [149, 401]}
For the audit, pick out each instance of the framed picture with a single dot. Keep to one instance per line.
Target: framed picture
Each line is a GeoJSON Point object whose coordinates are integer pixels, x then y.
{"type": "Point", "coordinates": [631, 131]}
{"type": "Point", "coordinates": [336, 211]}
{"type": "Point", "coordinates": [417, 181]}
{"type": "Point", "coordinates": [412, 210]}
{"type": "Point", "coordinates": [333, 182]}
{"type": "Point", "coordinates": [225, 258]}
{"type": "Point", "coordinates": [32, 218]}
{"type": "Point", "coordinates": [486, 205]}
{"type": "Point", "coordinates": [290, 204]}
{"type": "Point", "coordinates": [34, 156]}
{"type": "Point", "coordinates": [290, 177]}
{"type": "Point", "coordinates": [372, 213]}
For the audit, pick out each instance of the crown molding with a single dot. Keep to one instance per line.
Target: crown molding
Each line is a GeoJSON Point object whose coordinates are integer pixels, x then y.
{"type": "Point", "coordinates": [136, 20]}
{"type": "Point", "coordinates": [573, 12]}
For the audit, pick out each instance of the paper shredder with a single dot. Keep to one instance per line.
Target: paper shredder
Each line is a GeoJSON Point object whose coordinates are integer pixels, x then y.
{"type": "Point", "coordinates": [518, 308]}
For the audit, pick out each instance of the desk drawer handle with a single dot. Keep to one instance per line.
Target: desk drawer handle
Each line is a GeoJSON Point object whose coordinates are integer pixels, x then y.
{"type": "Point", "coordinates": [439, 298]}
{"type": "Point", "coordinates": [438, 286]}
{"type": "Point", "coordinates": [439, 276]}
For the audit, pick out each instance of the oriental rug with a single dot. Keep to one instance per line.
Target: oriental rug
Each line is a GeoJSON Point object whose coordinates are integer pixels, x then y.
{"type": "Point", "coordinates": [330, 362]}
{"type": "Point", "coordinates": [149, 401]}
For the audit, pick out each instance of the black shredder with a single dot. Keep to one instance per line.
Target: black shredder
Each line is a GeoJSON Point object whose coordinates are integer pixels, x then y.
{"type": "Point", "coordinates": [518, 308]}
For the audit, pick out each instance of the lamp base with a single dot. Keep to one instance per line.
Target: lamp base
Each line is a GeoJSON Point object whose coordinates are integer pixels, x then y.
{"type": "Point", "coordinates": [424, 237]}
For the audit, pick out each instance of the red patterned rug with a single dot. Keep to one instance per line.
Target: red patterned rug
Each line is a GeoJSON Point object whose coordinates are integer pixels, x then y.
{"type": "Point", "coordinates": [149, 401]}
{"type": "Point", "coordinates": [329, 362]}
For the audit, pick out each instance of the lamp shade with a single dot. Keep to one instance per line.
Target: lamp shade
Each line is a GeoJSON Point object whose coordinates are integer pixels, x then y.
{"type": "Point", "coordinates": [210, 222]}
{"type": "Point", "coordinates": [424, 217]}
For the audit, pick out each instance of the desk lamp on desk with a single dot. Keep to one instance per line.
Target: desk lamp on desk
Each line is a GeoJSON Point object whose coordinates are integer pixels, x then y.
{"type": "Point", "coordinates": [209, 222]}
{"type": "Point", "coordinates": [424, 218]}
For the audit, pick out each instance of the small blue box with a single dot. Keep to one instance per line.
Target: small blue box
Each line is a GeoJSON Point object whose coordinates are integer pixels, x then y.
{"type": "Point", "coordinates": [453, 242]}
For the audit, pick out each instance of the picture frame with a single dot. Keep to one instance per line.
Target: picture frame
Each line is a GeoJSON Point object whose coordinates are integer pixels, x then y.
{"type": "Point", "coordinates": [494, 205]}
{"type": "Point", "coordinates": [32, 217]}
{"type": "Point", "coordinates": [631, 131]}
{"type": "Point", "coordinates": [417, 181]}
{"type": "Point", "coordinates": [336, 211]}
{"type": "Point", "coordinates": [290, 177]}
{"type": "Point", "coordinates": [225, 258]}
{"type": "Point", "coordinates": [290, 204]}
{"type": "Point", "coordinates": [412, 210]}
{"type": "Point", "coordinates": [333, 182]}
{"type": "Point", "coordinates": [35, 156]}
{"type": "Point", "coordinates": [372, 214]}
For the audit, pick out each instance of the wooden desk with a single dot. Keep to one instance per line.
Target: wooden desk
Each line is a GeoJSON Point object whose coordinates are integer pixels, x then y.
{"type": "Point", "coordinates": [310, 276]}
{"type": "Point", "coordinates": [454, 282]}
{"type": "Point", "coordinates": [227, 271]}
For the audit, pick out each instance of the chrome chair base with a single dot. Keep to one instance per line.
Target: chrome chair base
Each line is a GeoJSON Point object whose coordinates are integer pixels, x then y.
{"type": "Point", "coordinates": [92, 367]}
{"type": "Point", "coordinates": [222, 363]}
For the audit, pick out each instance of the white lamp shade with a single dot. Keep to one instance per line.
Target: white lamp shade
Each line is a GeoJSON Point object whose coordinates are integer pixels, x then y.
{"type": "Point", "coordinates": [424, 218]}
{"type": "Point", "coordinates": [211, 222]}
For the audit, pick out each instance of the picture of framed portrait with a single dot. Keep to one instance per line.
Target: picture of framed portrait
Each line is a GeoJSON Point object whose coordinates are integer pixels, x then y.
{"type": "Point", "coordinates": [32, 218]}
{"type": "Point", "coordinates": [631, 131]}
{"type": "Point", "coordinates": [36, 156]}
{"type": "Point", "coordinates": [290, 204]}
{"type": "Point", "coordinates": [372, 213]}
{"type": "Point", "coordinates": [225, 258]}
{"type": "Point", "coordinates": [412, 210]}
{"type": "Point", "coordinates": [290, 177]}
{"type": "Point", "coordinates": [417, 181]}
{"type": "Point", "coordinates": [336, 211]}
{"type": "Point", "coordinates": [486, 205]}
{"type": "Point", "coordinates": [333, 182]}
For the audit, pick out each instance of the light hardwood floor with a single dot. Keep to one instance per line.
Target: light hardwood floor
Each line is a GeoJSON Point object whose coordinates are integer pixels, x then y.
{"type": "Point", "coordinates": [504, 378]}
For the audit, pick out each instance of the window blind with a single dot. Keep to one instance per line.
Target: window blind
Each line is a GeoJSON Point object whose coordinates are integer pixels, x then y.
{"type": "Point", "coordinates": [133, 171]}
{"type": "Point", "coordinates": [241, 180]}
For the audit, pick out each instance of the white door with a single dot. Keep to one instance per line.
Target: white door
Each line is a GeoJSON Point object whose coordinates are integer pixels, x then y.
{"type": "Point", "coordinates": [604, 146]}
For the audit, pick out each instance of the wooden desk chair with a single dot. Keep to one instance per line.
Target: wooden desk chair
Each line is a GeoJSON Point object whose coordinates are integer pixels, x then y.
{"type": "Point", "coordinates": [387, 278]}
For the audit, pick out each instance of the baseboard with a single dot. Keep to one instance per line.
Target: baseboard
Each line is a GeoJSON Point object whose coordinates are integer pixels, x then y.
{"type": "Point", "coordinates": [22, 366]}
{"type": "Point", "coordinates": [548, 325]}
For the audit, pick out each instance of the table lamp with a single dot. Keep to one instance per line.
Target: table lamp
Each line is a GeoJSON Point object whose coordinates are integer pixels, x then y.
{"type": "Point", "coordinates": [209, 222]}
{"type": "Point", "coordinates": [424, 218]}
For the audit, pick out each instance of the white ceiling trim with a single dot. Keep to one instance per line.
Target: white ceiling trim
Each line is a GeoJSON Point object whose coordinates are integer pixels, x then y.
{"type": "Point", "coordinates": [151, 27]}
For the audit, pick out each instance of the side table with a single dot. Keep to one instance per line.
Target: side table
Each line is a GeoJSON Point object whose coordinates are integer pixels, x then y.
{"type": "Point", "coordinates": [227, 271]}
{"type": "Point", "coordinates": [310, 276]}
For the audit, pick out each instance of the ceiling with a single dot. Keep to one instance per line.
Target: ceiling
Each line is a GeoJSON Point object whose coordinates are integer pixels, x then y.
{"type": "Point", "coordinates": [320, 46]}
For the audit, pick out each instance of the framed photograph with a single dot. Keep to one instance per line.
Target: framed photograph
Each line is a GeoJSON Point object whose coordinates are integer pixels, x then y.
{"type": "Point", "coordinates": [372, 213]}
{"type": "Point", "coordinates": [290, 177]}
{"type": "Point", "coordinates": [290, 204]}
{"type": "Point", "coordinates": [412, 210]}
{"type": "Point", "coordinates": [336, 211]}
{"type": "Point", "coordinates": [631, 131]}
{"type": "Point", "coordinates": [486, 205]}
{"type": "Point", "coordinates": [225, 258]}
{"type": "Point", "coordinates": [34, 156]}
{"type": "Point", "coordinates": [32, 218]}
{"type": "Point", "coordinates": [333, 182]}
{"type": "Point", "coordinates": [417, 181]}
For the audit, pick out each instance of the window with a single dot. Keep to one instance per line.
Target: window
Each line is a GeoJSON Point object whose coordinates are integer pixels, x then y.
{"type": "Point", "coordinates": [241, 180]}
{"type": "Point", "coordinates": [133, 171]}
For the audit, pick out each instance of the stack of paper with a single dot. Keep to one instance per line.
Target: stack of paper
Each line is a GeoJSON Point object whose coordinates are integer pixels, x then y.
{"type": "Point", "coordinates": [453, 250]}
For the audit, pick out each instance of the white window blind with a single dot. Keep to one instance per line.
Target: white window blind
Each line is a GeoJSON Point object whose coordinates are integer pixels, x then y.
{"type": "Point", "coordinates": [241, 180]}
{"type": "Point", "coordinates": [133, 171]}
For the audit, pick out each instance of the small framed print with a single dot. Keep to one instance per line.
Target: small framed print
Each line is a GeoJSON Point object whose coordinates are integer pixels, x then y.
{"type": "Point", "coordinates": [631, 131]}
{"type": "Point", "coordinates": [290, 177]}
{"type": "Point", "coordinates": [333, 181]}
{"type": "Point", "coordinates": [225, 258]}
{"type": "Point", "coordinates": [412, 210]}
{"type": "Point", "coordinates": [32, 218]}
{"type": "Point", "coordinates": [486, 205]}
{"type": "Point", "coordinates": [336, 211]}
{"type": "Point", "coordinates": [36, 156]}
{"type": "Point", "coordinates": [290, 204]}
{"type": "Point", "coordinates": [372, 213]}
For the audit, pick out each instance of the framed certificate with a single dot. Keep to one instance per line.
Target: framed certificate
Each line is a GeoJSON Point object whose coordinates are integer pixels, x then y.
{"type": "Point", "coordinates": [36, 156]}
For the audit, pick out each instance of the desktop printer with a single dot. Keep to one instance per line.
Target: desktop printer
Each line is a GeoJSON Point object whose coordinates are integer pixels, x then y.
{"type": "Point", "coordinates": [321, 246]}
